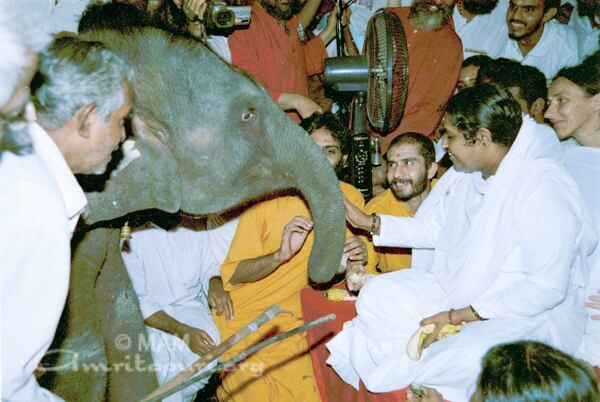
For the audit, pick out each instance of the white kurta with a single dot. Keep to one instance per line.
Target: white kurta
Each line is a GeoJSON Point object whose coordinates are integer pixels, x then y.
{"type": "Point", "coordinates": [512, 246]}
{"type": "Point", "coordinates": [584, 165]}
{"type": "Point", "coordinates": [556, 49]}
{"type": "Point", "coordinates": [170, 271]}
{"type": "Point", "coordinates": [484, 34]}
{"type": "Point", "coordinates": [40, 203]}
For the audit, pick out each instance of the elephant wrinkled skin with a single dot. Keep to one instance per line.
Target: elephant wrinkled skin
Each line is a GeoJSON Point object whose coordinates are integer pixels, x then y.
{"type": "Point", "coordinates": [206, 138]}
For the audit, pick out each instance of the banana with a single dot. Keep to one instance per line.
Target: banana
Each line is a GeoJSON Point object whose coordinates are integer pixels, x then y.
{"type": "Point", "coordinates": [414, 347]}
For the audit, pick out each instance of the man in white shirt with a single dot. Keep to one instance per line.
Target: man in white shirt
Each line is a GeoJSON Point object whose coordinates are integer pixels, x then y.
{"type": "Point", "coordinates": [536, 39]}
{"type": "Point", "coordinates": [174, 269]}
{"type": "Point", "coordinates": [82, 104]}
{"type": "Point", "coordinates": [511, 237]}
{"type": "Point", "coordinates": [481, 26]}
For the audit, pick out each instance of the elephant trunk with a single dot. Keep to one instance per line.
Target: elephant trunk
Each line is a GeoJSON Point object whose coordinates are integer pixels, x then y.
{"type": "Point", "coordinates": [320, 187]}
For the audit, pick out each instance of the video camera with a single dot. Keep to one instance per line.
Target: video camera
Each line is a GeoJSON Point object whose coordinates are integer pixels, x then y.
{"type": "Point", "coordinates": [219, 16]}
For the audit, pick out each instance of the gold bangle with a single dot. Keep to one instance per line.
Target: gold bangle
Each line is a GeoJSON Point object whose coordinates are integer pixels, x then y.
{"type": "Point", "coordinates": [373, 224]}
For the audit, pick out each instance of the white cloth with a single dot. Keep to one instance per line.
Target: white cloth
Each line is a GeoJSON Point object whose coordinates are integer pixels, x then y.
{"type": "Point", "coordinates": [557, 48]}
{"type": "Point", "coordinates": [591, 43]}
{"type": "Point", "coordinates": [170, 271]}
{"type": "Point", "coordinates": [584, 165]}
{"type": "Point", "coordinates": [220, 46]}
{"type": "Point", "coordinates": [497, 247]}
{"type": "Point", "coordinates": [362, 11]}
{"type": "Point", "coordinates": [484, 34]}
{"type": "Point", "coordinates": [40, 203]}
{"type": "Point", "coordinates": [64, 15]}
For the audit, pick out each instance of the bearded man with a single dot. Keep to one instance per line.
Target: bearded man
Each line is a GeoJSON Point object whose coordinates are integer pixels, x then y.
{"type": "Point", "coordinates": [434, 62]}
{"type": "Point", "coordinates": [272, 52]}
{"type": "Point", "coordinates": [410, 169]}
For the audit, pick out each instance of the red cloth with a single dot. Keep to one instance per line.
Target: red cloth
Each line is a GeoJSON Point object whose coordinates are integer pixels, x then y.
{"type": "Point", "coordinates": [434, 62]}
{"type": "Point", "coordinates": [278, 60]}
{"type": "Point", "coordinates": [331, 387]}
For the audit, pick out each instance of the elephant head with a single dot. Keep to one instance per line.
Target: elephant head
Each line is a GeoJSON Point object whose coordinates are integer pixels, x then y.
{"type": "Point", "coordinates": [207, 138]}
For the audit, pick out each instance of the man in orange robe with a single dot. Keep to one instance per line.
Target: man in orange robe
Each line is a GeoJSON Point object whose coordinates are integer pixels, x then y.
{"type": "Point", "coordinates": [271, 51]}
{"type": "Point", "coordinates": [434, 62]}
{"type": "Point", "coordinates": [411, 168]}
{"type": "Point", "coordinates": [267, 264]}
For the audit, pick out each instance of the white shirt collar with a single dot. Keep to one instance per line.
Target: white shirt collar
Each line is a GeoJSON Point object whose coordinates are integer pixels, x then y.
{"type": "Point", "coordinates": [70, 191]}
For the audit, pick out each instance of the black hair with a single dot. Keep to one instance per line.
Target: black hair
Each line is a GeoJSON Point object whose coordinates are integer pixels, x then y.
{"type": "Point", "coordinates": [426, 146]}
{"type": "Point", "coordinates": [486, 106]}
{"type": "Point", "coordinates": [479, 7]}
{"type": "Point", "coordinates": [532, 371]}
{"type": "Point", "coordinates": [477, 61]}
{"type": "Point", "coordinates": [548, 4]}
{"type": "Point", "coordinates": [114, 16]}
{"type": "Point", "coordinates": [530, 80]}
{"type": "Point", "coordinates": [585, 75]}
{"type": "Point", "coordinates": [330, 122]}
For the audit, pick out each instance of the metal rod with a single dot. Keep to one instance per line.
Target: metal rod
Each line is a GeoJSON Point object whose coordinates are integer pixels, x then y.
{"type": "Point", "coordinates": [249, 351]}
{"type": "Point", "coordinates": [250, 328]}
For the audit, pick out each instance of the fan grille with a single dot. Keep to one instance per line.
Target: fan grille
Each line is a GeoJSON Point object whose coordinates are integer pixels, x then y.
{"type": "Point", "coordinates": [387, 57]}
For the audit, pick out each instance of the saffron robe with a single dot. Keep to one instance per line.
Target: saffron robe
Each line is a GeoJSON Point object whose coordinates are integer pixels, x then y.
{"type": "Point", "coordinates": [434, 62]}
{"type": "Point", "coordinates": [513, 246]}
{"type": "Point", "coordinates": [282, 371]}
{"type": "Point", "coordinates": [278, 60]}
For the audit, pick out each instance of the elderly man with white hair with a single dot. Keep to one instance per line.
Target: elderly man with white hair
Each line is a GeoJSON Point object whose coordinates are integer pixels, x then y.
{"type": "Point", "coordinates": [19, 41]}
{"type": "Point", "coordinates": [82, 99]}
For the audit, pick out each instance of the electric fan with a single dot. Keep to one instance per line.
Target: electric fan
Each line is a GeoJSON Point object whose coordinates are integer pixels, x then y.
{"type": "Point", "coordinates": [379, 79]}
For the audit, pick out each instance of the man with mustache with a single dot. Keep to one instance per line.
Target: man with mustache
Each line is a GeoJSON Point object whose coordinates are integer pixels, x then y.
{"type": "Point", "coordinates": [272, 52]}
{"type": "Point", "coordinates": [410, 169]}
{"type": "Point", "coordinates": [536, 39]}
{"type": "Point", "coordinates": [434, 62]}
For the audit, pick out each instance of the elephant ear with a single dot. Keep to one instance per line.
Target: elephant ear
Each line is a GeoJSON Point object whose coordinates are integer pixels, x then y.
{"type": "Point", "coordinates": [146, 177]}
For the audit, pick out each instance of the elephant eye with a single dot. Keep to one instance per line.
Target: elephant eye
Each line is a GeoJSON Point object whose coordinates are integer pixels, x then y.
{"type": "Point", "coordinates": [248, 114]}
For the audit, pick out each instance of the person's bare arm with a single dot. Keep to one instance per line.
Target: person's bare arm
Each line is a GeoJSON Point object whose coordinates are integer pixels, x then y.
{"type": "Point", "coordinates": [255, 269]}
{"type": "Point", "coordinates": [198, 340]}
{"type": "Point", "coordinates": [308, 12]}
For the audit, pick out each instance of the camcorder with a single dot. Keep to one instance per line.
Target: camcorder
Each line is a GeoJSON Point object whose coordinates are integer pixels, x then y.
{"type": "Point", "coordinates": [221, 17]}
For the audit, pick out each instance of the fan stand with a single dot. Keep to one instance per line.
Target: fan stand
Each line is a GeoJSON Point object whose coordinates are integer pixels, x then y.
{"type": "Point", "coordinates": [360, 150]}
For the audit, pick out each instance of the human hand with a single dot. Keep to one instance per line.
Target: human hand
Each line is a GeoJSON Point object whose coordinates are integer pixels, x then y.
{"type": "Point", "coordinates": [356, 250]}
{"type": "Point", "coordinates": [294, 236]}
{"type": "Point", "coordinates": [219, 299]}
{"type": "Point", "coordinates": [194, 9]}
{"type": "Point", "coordinates": [423, 394]}
{"type": "Point", "coordinates": [439, 320]}
{"type": "Point", "coordinates": [593, 301]}
{"type": "Point", "coordinates": [305, 106]}
{"type": "Point", "coordinates": [356, 277]}
{"type": "Point", "coordinates": [357, 218]}
{"type": "Point", "coordinates": [198, 340]}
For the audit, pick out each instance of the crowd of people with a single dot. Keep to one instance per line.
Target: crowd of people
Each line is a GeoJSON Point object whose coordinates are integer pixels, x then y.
{"type": "Point", "coordinates": [480, 247]}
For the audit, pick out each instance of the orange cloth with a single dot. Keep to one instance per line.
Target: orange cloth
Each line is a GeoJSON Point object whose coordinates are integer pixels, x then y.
{"type": "Point", "coordinates": [387, 259]}
{"type": "Point", "coordinates": [434, 62]}
{"type": "Point", "coordinates": [283, 371]}
{"type": "Point", "coordinates": [278, 60]}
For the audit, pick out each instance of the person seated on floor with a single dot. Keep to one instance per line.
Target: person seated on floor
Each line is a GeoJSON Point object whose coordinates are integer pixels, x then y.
{"type": "Point", "coordinates": [574, 111]}
{"type": "Point", "coordinates": [526, 84]}
{"type": "Point", "coordinates": [267, 264]}
{"type": "Point", "coordinates": [174, 269]}
{"type": "Point", "coordinates": [492, 220]}
{"type": "Point", "coordinates": [410, 169]}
